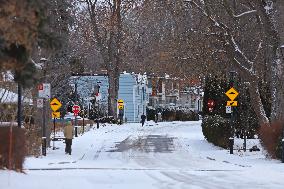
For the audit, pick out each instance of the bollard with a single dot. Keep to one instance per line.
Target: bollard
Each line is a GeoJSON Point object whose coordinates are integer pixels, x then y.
{"type": "Point", "coordinates": [43, 147]}
{"type": "Point", "coordinates": [283, 150]}
{"type": "Point", "coordinates": [231, 143]}
{"type": "Point", "coordinates": [98, 126]}
{"type": "Point", "coordinates": [76, 131]}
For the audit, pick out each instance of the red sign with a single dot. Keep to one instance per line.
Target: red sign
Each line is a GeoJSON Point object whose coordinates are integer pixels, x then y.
{"type": "Point", "coordinates": [211, 103]}
{"type": "Point", "coordinates": [40, 87]}
{"type": "Point", "coordinates": [76, 109]}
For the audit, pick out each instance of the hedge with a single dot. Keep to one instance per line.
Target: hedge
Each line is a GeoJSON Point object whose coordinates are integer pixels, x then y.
{"type": "Point", "coordinates": [173, 114]}
{"type": "Point", "coordinates": [216, 130]}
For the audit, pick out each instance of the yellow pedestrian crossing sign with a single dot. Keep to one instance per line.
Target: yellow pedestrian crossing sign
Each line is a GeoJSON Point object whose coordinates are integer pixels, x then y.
{"type": "Point", "coordinates": [232, 103]}
{"type": "Point", "coordinates": [232, 94]}
{"type": "Point", "coordinates": [55, 115]}
{"type": "Point", "coordinates": [55, 104]}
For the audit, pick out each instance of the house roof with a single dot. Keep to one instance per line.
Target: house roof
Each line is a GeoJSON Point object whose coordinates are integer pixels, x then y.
{"type": "Point", "coordinates": [7, 96]}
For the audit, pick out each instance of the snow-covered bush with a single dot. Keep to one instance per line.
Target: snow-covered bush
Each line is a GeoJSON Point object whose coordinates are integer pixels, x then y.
{"type": "Point", "coordinates": [216, 130]}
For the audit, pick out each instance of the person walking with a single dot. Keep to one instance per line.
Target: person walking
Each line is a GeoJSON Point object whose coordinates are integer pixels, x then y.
{"type": "Point", "coordinates": [68, 134]}
{"type": "Point", "coordinates": [143, 118]}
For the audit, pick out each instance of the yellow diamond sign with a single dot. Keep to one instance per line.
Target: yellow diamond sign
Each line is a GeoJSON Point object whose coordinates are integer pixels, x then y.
{"type": "Point", "coordinates": [232, 93]}
{"type": "Point", "coordinates": [55, 104]}
{"type": "Point", "coordinates": [120, 101]}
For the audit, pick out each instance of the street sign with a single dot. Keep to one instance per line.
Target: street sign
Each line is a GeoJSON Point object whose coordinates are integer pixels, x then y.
{"type": "Point", "coordinates": [232, 103]}
{"type": "Point", "coordinates": [44, 90]}
{"type": "Point", "coordinates": [39, 103]}
{"type": "Point", "coordinates": [55, 115]}
{"type": "Point", "coordinates": [210, 103]}
{"type": "Point", "coordinates": [120, 101]}
{"type": "Point", "coordinates": [228, 109]}
{"type": "Point", "coordinates": [120, 107]}
{"type": "Point", "coordinates": [232, 93]}
{"type": "Point", "coordinates": [55, 104]}
{"type": "Point", "coordinates": [76, 109]}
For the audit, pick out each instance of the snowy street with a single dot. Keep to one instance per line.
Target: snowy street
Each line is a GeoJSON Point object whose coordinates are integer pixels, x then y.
{"type": "Point", "coordinates": [163, 155]}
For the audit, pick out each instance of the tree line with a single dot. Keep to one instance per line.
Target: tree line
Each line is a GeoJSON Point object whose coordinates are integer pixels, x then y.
{"type": "Point", "coordinates": [184, 38]}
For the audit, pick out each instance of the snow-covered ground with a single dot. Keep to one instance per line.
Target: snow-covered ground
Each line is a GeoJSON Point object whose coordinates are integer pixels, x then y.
{"type": "Point", "coordinates": [163, 155]}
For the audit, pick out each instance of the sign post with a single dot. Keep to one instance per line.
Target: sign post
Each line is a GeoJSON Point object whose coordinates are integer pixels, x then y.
{"type": "Point", "coordinates": [232, 93]}
{"type": "Point", "coordinates": [120, 106]}
{"type": "Point", "coordinates": [55, 105]}
{"type": "Point", "coordinates": [44, 93]}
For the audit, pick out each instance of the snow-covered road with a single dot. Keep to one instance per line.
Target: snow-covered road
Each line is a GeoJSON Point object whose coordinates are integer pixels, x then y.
{"type": "Point", "coordinates": [163, 155]}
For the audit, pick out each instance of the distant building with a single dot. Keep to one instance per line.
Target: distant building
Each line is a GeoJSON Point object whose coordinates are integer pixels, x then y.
{"type": "Point", "coordinates": [171, 92]}
{"type": "Point", "coordinates": [133, 91]}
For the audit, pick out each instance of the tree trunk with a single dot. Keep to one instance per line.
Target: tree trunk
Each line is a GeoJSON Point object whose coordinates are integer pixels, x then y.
{"type": "Point", "coordinates": [276, 33]}
{"type": "Point", "coordinates": [257, 105]}
{"type": "Point", "coordinates": [273, 58]}
{"type": "Point", "coordinates": [113, 94]}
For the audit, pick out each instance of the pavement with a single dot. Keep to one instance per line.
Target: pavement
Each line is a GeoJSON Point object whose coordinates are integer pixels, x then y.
{"type": "Point", "coordinates": [163, 155]}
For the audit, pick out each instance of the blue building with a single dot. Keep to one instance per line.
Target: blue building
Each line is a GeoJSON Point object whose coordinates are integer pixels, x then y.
{"type": "Point", "coordinates": [132, 90]}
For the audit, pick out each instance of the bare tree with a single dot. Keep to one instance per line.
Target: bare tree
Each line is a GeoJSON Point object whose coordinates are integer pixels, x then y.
{"type": "Point", "coordinates": [246, 32]}
{"type": "Point", "coordinates": [106, 21]}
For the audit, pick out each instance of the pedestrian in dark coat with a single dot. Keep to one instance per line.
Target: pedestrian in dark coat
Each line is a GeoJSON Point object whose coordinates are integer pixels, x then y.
{"type": "Point", "coordinates": [143, 118]}
{"type": "Point", "coordinates": [68, 133]}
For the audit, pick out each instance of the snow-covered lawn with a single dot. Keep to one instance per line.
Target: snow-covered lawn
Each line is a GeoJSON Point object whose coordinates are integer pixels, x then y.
{"type": "Point", "coordinates": [163, 155]}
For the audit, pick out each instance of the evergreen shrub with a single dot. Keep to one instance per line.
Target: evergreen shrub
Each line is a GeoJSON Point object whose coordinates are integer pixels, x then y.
{"type": "Point", "coordinates": [216, 130]}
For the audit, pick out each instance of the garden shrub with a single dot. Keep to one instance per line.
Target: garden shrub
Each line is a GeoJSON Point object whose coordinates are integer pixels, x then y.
{"type": "Point", "coordinates": [216, 130]}
{"type": "Point", "coordinates": [270, 137]}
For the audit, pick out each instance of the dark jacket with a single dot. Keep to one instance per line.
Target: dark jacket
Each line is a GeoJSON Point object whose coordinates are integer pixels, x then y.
{"type": "Point", "coordinates": [143, 117]}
